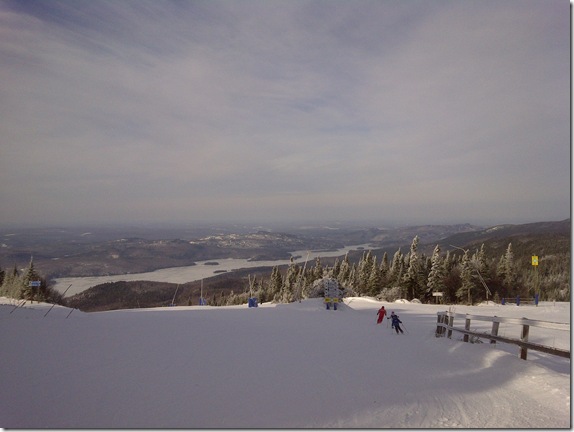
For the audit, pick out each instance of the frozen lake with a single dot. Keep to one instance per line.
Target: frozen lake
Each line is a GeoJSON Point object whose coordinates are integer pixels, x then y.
{"type": "Point", "coordinates": [201, 270]}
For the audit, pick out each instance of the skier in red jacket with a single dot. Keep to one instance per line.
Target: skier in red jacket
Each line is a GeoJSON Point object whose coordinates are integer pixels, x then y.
{"type": "Point", "coordinates": [381, 312]}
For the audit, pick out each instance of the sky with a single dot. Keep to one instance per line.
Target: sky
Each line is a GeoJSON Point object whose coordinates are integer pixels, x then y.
{"type": "Point", "coordinates": [405, 112]}
{"type": "Point", "coordinates": [289, 366]}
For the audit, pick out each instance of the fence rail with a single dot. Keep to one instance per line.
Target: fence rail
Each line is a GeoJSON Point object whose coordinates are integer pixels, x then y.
{"type": "Point", "coordinates": [445, 325]}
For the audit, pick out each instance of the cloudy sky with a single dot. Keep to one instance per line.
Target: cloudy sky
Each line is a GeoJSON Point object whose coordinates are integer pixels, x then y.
{"type": "Point", "coordinates": [432, 111]}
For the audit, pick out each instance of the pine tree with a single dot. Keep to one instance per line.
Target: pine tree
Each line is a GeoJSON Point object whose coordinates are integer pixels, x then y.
{"type": "Point", "coordinates": [344, 271]}
{"type": "Point", "coordinates": [506, 272]}
{"type": "Point", "coordinates": [352, 279]}
{"type": "Point", "coordinates": [395, 272]}
{"type": "Point", "coordinates": [481, 261]}
{"type": "Point", "coordinates": [29, 292]}
{"type": "Point", "coordinates": [501, 269]}
{"type": "Point", "coordinates": [384, 268]}
{"type": "Point", "coordinates": [411, 277]}
{"type": "Point", "coordinates": [318, 269]}
{"type": "Point", "coordinates": [11, 286]}
{"type": "Point", "coordinates": [437, 273]}
{"type": "Point", "coordinates": [275, 284]}
{"type": "Point", "coordinates": [510, 276]}
{"type": "Point", "coordinates": [375, 283]}
{"type": "Point", "coordinates": [307, 283]}
{"type": "Point", "coordinates": [467, 287]}
{"type": "Point", "coordinates": [336, 269]}
{"type": "Point", "coordinates": [287, 293]}
{"type": "Point", "coordinates": [482, 269]}
{"type": "Point", "coordinates": [365, 265]}
{"type": "Point", "coordinates": [448, 262]}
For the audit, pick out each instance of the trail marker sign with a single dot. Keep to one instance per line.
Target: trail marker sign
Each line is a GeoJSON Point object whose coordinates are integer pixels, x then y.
{"type": "Point", "coordinates": [534, 260]}
{"type": "Point", "coordinates": [35, 283]}
{"type": "Point", "coordinates": [332, 292]}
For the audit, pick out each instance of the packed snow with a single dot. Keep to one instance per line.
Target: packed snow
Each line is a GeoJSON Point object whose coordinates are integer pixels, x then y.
{"type": "Point", "coordinates": [292, 365]}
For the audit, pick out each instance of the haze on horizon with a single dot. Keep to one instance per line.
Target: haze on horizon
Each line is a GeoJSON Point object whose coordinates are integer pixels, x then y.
{"type": "Point", "coordinates": [410, 112]}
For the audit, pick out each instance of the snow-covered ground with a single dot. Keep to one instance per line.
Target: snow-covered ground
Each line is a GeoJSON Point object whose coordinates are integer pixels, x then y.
{"type": "Point", "coordinates": [275, 366]}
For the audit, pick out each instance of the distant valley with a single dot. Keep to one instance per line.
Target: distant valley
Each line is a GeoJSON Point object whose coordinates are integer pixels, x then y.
{"type": "Point", "coordinates": [100, 251]}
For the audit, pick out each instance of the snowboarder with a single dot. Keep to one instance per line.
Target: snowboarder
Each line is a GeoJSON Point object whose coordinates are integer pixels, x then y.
{"type": "Point", "coordinates": [381, 312]}
{"type": "Point", "coordinates": [395, 322]}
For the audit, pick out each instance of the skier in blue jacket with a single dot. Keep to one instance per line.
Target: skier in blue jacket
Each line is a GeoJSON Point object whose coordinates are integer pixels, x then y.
{"type": "Point", "coordinates": [395, 322]}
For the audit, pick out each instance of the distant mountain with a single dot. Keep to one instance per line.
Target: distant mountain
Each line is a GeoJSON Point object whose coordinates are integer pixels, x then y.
{"type": "Point", "coordinates": [507, 233]}
{"type": "Point", "coordinates": [392, 238]}
{"type": "Point", "coordinates": [61, 253]}
{"type": "Point", "coordinates": [550, 240]}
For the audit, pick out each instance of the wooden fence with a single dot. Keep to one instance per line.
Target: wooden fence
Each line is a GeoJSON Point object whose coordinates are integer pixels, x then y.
{"type": "Point", "coordinates": [445, 325]}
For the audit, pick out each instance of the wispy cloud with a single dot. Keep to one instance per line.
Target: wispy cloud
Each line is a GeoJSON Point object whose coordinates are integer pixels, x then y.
{"type": "Point", "coordinates": [139, 110]}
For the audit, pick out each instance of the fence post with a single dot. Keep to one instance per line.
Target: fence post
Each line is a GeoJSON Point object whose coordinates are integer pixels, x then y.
{"type": "Point", "coordinates": [466, 327]}
{"type": "Point", "coordinates": [524, 338]}
{"type": "Point", "coordinates": [439, 327]}
{"type": "Point", "coordinates": [450, 324]}
{"type": "Point", "coordinates": [494, 331]}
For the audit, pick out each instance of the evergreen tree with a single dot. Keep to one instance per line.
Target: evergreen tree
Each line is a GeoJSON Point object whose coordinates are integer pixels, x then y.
{"type": "Point", "coordinates": [483, 269]}
{"type": "Point", "coordinates": [336, 269]}
{"type": "Point", "coordinates": [12, 284]}
{"type": "Point", "coordinates": [384, 268]}
{"type": "Point", "coordinates": [448, 262]}
{"type": "Point", "coordinates": [307, 282]}
{"type": "Point", "coordinates": [510, 277]}
{"type": "Point", "coordinates": [365, 265]}
{"type": "Point", "coordinates": [467, 287]}
{"type": "Point", "coordinates": [275, 284]}
{"type": "Point", "coordinates": [375, 283]}
{"type": "Point", "coordinates": [481, 261]}
{"type": "Point", "coordinates": [411, 278]}
{"type": "Point", "coordinates": [506, 272]}
{"type": "Point", "coordinates": [288, 291]}
{"type": "Point", "coordinates": [28, 292]}
{"type": "Point", "coordinates": [318, 269]}
{"type": "Point", "coordinates": [437, 273]}
{"type": "Point", "coordinates": [501, 269]}
{"type": "Point", "coordinates": [344, 271]}
{"type": "Point", "coordinates": [395, 271]}
{"type": "Point", "coordinates": [352, 279]}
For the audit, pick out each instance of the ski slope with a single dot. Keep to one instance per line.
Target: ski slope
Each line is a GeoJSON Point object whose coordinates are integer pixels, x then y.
{"type": "Point", "coordinates": [275, 366]}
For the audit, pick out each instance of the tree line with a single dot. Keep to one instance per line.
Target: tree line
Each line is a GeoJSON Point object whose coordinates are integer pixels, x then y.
{"type": "Point", "coordinates": [27, 285]}
{"type": "Point", "coordinates": [461, 277]}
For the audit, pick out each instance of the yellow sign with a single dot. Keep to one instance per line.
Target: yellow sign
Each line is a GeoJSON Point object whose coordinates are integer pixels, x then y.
{"type": "Point", "coordinates": [534, 260]}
